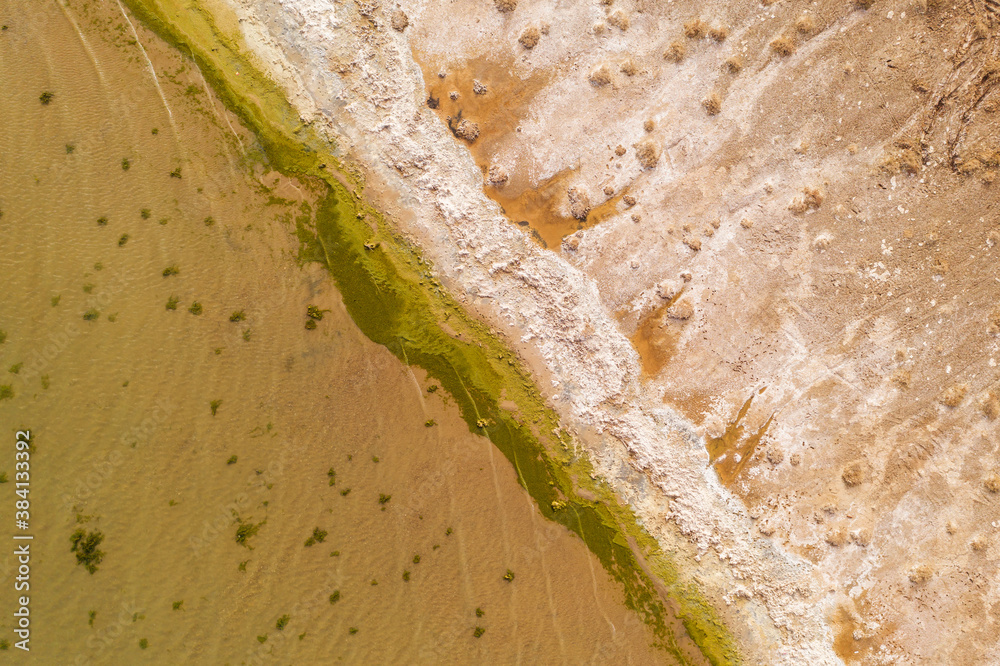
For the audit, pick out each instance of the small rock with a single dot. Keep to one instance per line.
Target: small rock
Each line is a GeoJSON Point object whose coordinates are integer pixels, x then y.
{"type": "Point", "coordinates": [667, 289]}
{"type": "Point", "coordinates": [682, 309]}
{"type": "Point", "coordinates": [497, 176]}
{"type": "Point", "coordinates": [467, 130]}
{"type": "Point", "coordinates": [579, 203]}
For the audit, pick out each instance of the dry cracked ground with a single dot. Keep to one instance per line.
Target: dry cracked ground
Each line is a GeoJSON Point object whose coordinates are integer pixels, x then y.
{"type": "Point", "coordinates": [789, 209]}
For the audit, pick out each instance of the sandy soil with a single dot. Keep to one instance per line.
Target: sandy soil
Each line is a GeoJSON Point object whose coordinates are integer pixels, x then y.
{"type": "Point", "coordinates": [768, 303]}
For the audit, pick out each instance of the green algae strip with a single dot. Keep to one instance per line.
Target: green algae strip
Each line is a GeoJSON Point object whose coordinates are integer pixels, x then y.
{"type": "Point", "coordinates": [390, 293]}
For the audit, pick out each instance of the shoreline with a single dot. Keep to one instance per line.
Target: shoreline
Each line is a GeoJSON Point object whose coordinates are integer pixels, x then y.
{"type": "Point", "coordinates": [610, 411]}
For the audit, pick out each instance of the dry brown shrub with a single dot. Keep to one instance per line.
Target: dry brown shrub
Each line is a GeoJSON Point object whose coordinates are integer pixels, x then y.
{"type": "Point", "coordinates": [775, 456]}
{"type": "Point", "coordinates": [628, 68]}
{"type": "Point", "coordinates": [813, 197]}
{"type": "Point", "coordinates": [797, 206]}
{"type": "Point", "coordinates": [695, 29]}
{"type": "Point", "coordinates": [648, 125]}
{"type": "Point", "coordinates": [979, 544]}
{"type": "Point", "coordinates": [954, 395]}
{"type": "Point", "coordinates": [718, 33]}
{"type": "Point", "coordinates": [970, 166]}
{"type": "Point", "coordinates": [529, 38]}
{"type": "Point", "coordinates": [836, 537]}
{"type": "Point", "coordinates": [901, 378]}
{"type": "Point", "coordinates": [505, 6]}
{"type": "Point", "coordinates": [910, 161]}
{"type": "Point", "coordinates": [992, 483]}
{"type": "Point", "coordinates": [600, 77]}
{"type": "Point", "coordinates": [675, 52]}
{"type": "Point", "coordinates": [921, 574]}
{"type": "Point", "coordinates": [991, 405]}
{"type": "Point", "coordinates": [399, 20]}
{"type": "Point", "coordinates": [861, 537]}
{"type": "Point", "coordinates": [854, 474]}
{"type": "Point", "coordinates": [734, 64]}
{"type": "Point", "coordinates": [805, 24]}
{"type": "Point", "coordinates": [693, 243]}
{"type": "Point", "coordinates": [619, 19]}
{"type": "Point", "coordinates": [783, 45]}
{"type": "Point", "coordinates": [620, 150]}
{"type": "Point", "coordinates": [863, 4]}
{"type": "Point", "coordinates": [712, 104]}
{"type": "Point", "coordinates": [648, 154]}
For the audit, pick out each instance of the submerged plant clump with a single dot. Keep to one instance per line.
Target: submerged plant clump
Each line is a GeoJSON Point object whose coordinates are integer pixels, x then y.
{"type": "Point", "coordinates": [244, 532]}
{"type": "Point", "coordinates": [318, 536]}
{"type": "Point", "coordinates": [85, 545]}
